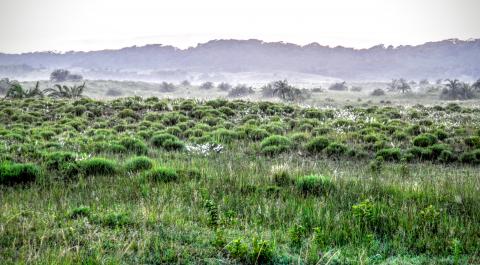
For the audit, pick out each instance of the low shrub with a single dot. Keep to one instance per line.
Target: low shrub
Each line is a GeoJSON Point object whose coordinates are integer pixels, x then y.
{"type": "Point", "coordinates": [317, 144]}
{"type": "Point", "coordinates": [336, 149]}
{"type": "Point", "coordinates": [98, 166]}
{"type": "Point", "coordinates": [390, 154]}
{"type": "Point", "coordinates": [138, 163]}
{"type": "Point", "coordinates": [424, 140]}
{"type": "Point", "coordinates": [275, 144]}
{"type": "Point", "coordinates": [134, 145]}
{"type": "Point", "coordinates": [161, 174]}
{"type": "Point", "coordinates": [16, 173]}
{"type": "Point", "coordinates": [81, 211]}
{"type": "Point", "coordinates": [167, 141]}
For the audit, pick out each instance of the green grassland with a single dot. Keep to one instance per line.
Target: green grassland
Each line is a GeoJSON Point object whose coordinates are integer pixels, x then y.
{"type": "Point", "coordinates": [178, 181]}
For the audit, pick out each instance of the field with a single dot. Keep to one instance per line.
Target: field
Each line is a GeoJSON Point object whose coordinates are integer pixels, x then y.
{"type": "Point", "coordinates": [151, 180]}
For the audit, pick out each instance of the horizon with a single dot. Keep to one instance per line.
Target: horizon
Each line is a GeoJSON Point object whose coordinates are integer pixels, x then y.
{"type": "Point", "coordinates": [56, 25]}
{"type": "Point", "coordinates": [249, 39]}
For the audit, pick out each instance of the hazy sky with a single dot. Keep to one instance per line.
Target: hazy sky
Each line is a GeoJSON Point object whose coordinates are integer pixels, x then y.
{"type": "Point", "coordinates": [63, 25]}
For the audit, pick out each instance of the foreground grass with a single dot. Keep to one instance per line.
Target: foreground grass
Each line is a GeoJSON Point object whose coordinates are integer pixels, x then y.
{"type": "Point", "coordinates": [137, 181]}
{"type": "Point", "coordinates": [428, 215]}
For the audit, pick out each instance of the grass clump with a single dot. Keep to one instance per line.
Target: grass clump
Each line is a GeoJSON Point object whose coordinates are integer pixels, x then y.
{"type": "Point", "coordinates": [317, 144]}
{"type": "Point", "coordinates": [98, 166]}
{"type": "Point", "coordinates": [134, 145]}
{"type": "Point", "coordinates": [275, 144]}
{"type": "Point", "coordinates": [167, 141]}
{"type": "Point", "coordinates": [315, 184]}
{"type": "Point", "coordinates": [161, 174]}
{"type": "Point", "coordinates": [424, 140]}
{"type": "Point", "coordinates": [17, 173]}
{"type": "Point", "coordinates": [82, 211]}
{"type": "Point", "coordinates": [138, 163]}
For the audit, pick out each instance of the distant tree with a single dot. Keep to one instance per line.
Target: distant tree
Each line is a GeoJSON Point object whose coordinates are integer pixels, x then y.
{"type": "Point", "coordinates": [287, 92]}
{"type": "Point", "coordinates": [5, 84]}
{"type": "Point", "coordinates": [59, 75]}
{"type": "Point", "coordinates": [62, 75]}
{"type": "Point", "coordinates": [240, 91]}
{"type": "Point", "coordinates": [424, 82]}
{"type": "Point", "coordinates": [399, 85]}
{"type": "Point", "coordinates": [439, 81]}
{"type": "Point", "coordinates": [185, 83]}
{"type": "Point", "coordinates": [66, 91]}
{"type": "Point", "coordinates": [455, 89]}
{"type": "Point", "coordinates": [267, 90]}
{"type": "Point", "coordinates": [476, 85]}
{"type": "Point", "coordinates": [378, 92]}
{"type": "Point", "coordinates": [224, 86]}
{"type": "Point", "coordinates": [206, 85]}
{"type": "Point", "coordinates": [339, 86]}
{"type": "Point", "coordinates": [167, 87]}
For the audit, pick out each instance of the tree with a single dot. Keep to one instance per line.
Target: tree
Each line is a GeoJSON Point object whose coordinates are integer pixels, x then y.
{"type": "Point", "coordinates": [206, 85]}
{"type": "Point", "coordinates": [66, 92]}
{"type": "Point", "coordinates": [185, 83]}
{"type": "Point", "coordinates": [455, 89]}
{"type": "Point", "coordinates": [339, 86]}
{"type": "Point", "coordinates": [16, 91]}
{"type": "Point", "coordinates": [62, 75]}
{"type": "Point", "coordinates": [399, 85]}
{"type": "Point", "coordinates": [224, 86]}
{"type": "Point", "coordinates": [476, 85]}
{"type": "Point", "coordinates": [286, 92]}
{"type": "Point", "coordinates": [59, 75]}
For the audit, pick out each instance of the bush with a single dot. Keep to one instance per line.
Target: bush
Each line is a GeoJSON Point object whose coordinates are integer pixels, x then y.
{"type": "Point", "coordinates": [275, 144]}
{"type": "Point", "coordinates": [390, 154]}
{"type": "Point", "coordinates": [134, 145]}
{"type": "Point", "coordinates": [315, 184]}
{"type": "Point", "coordinates": [472, 157]}
{"type": "Point", "coordinates": [472, 141]}
{"type": "Point", "coordinates": [98, 166]}
{"type": "Point", "coordinates": [15, 173]}
{"type": "Point", "coordinates": [336, 149]}
{"type": "Point", "coordinates": [81, 211]}
{"type": "Point", "coordinates": [338, 86]}
{"type": "Point", "coordinates": [317, 144]}
{"type": "Point", "coordinates": [168, 142]}
{"type": "Point", "coordinates": [161, 174]}
{"type": "Point", "coordinates": [58, 160]}
{"type": "Point", "coordinates": [138, 163]}
{"type": "Point", "coordinates": [424, 140]}
{"type": "Point", "coordinates": [378, 92]}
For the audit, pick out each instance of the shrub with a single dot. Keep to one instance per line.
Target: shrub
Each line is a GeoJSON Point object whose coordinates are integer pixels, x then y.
{"type": "Point", "coordinates": [390, 154]}
{"type": "Point", "coordinates": [57, 160]}
{"type": "Point", "coordinates": [224, 136]}
{"type": "Point", "coordinates": [315, 184]}
{"type": "Point", "coordinates": [281, 175]}
{"type": "Point", "coordinates": [317, 144]}
{"type": "Point", "coordinates": [472, 141]}
{"type": "Point", "coordinates": [161, 174]}
{"type": "Point", "coordinates": [275, 144]}
{"type": "Point", "coordinates": [338, 86]}
{"type": "Point", "coordinates": [98, 166]}
{"type": "Point", "coordinates": [472, 157]}
{"type": "Point", "coordinates": [81, 211]}
{"type": "Point", "coordinates": [16, 173]}
{"type": "Point", "coordinates": [134, 145]}
{"type": "Point", "coordinates": [138, 163]}
{"type": "Point", "coordinates": [424, 140]}
{"type": "Point", "coordinates": [378, 92]}
{"type": "Point", "coordinates": [336, 149]}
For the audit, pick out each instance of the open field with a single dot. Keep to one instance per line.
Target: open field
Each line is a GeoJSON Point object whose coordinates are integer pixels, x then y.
{"type": "Point", "coordinates": [425, 95]}
{"type": "Point", "coordinates": [160, 181]}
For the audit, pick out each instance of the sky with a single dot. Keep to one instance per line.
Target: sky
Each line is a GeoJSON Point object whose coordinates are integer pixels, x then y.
{"type": "Point", "coordinates": [83, 25]}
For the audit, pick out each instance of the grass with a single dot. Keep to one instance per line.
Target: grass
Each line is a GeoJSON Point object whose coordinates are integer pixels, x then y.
{"type": "Point", "coordinates": [239, 204]}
